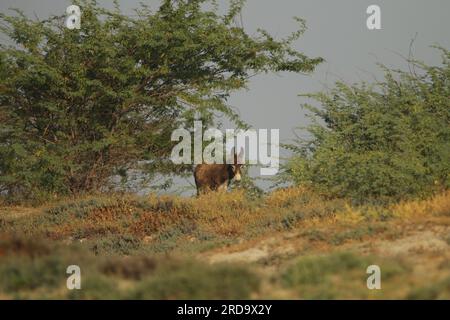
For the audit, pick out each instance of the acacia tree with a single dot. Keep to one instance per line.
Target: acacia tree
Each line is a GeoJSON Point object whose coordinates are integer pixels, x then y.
{"type": "Point", "coordinates": [77, 106]}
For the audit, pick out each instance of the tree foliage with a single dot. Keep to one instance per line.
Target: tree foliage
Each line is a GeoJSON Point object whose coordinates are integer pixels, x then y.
{"type": "Point", "coordinates": [78, 106]}
{"type": "Point", "coordinates": [389, 139]}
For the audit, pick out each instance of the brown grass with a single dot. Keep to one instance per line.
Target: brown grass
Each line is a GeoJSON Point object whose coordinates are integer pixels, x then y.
{"type": "Point", "coordinates": [270, 233]}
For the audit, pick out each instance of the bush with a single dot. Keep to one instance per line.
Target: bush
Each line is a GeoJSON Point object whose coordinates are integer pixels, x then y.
{"type": "Point", "coordinates": [388, 140]}
{"type": "Point", "coordinates": [338, 275]}
{"type": "Point", "coordinates": [435, 291]}
{"type": "Point", "coordinates": [194, 281]}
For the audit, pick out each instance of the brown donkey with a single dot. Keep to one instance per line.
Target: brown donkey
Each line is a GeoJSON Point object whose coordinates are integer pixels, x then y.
{"type": "Point", "coordinates": [217, 177]}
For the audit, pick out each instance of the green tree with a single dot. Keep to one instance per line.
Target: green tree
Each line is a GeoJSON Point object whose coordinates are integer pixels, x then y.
{"type": "Point", "coordinates": [389, 139]}
{"type": "Point", "coordinates": [78, 106]}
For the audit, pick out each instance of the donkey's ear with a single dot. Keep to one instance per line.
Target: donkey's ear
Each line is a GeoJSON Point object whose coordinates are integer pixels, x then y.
{"type": "Point", "coordinates": [238, 159]}
{"type": "Point", "coordinates": [232, 156]}
{"type": "Point", "coordinates": [235, 156]}
{"type": "Point", "coordinates": [241, 153]}
{"type": "Point", "coordinates": [241, 157]}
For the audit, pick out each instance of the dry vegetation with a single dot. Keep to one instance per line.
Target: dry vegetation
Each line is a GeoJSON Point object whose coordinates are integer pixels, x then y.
{"type": "Point", "coordinates": [290, 244]}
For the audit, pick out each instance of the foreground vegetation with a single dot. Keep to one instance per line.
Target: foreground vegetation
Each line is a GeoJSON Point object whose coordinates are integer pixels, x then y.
{"type": "Point", "coordinates": [291, 244]}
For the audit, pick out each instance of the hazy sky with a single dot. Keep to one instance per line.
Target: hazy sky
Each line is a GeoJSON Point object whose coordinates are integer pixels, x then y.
{"type": "Point", "coordinates": [336, 31]}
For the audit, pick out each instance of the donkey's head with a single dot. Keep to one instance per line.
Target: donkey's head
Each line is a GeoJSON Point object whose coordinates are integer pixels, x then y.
{"type": "Point", "coordinates": [235, 168]}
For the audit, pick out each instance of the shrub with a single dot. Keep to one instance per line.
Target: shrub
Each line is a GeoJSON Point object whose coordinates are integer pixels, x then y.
{"type": "Point", "coordinates": [116, 244]}
{"type": "Point", "coordinates": [340, 274]}
{"type": "Point", "coordinates": [387, 140]}
{"type": "Point", "coordinates": [196, 281]}
{"type": "Point", "coordinates": [439, 290]}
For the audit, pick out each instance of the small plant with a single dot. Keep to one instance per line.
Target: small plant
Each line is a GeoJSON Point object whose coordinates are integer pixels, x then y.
{"type": "Point", "coordinates": [116, 244]}
{"type": "Point", "coordinates": [195, 281]}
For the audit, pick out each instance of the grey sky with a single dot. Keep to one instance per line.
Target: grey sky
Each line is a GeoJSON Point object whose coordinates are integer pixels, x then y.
{"type": "Point", "coordinates": [336, 31]}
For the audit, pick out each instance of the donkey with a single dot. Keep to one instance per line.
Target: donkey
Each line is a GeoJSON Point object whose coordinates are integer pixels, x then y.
{"type": "Point", "coordinates": [217, 177]}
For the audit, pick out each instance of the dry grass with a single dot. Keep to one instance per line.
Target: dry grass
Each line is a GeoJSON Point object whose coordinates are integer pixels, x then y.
{"type": "Point", "coordinates": [438, 205]}
{"type": "Point", "coordinates": [273, 234]}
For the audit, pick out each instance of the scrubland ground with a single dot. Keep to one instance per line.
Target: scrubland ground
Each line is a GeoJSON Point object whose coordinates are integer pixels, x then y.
{"type": "Point", "coordinates": [290, 244]}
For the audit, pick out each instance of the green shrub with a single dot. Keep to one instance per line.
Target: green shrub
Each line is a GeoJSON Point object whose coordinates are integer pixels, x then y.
{"type": "Point", "coordinates": [117, 244]}
{"type": "Point", "coordinates": [388, 140]}
{"type": "Point", "coordinates": [315, 269]}
{"type": "Point", "coordinates": [195, 281]}
{"type": "Point", "coordinates": [77, 209]}
{"type": "Point", "coordinates": [341, 274]}
{"type": "Point", "coordinates": [439, 290]}
{"type": "Point", "coordinates": [356, 234]}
